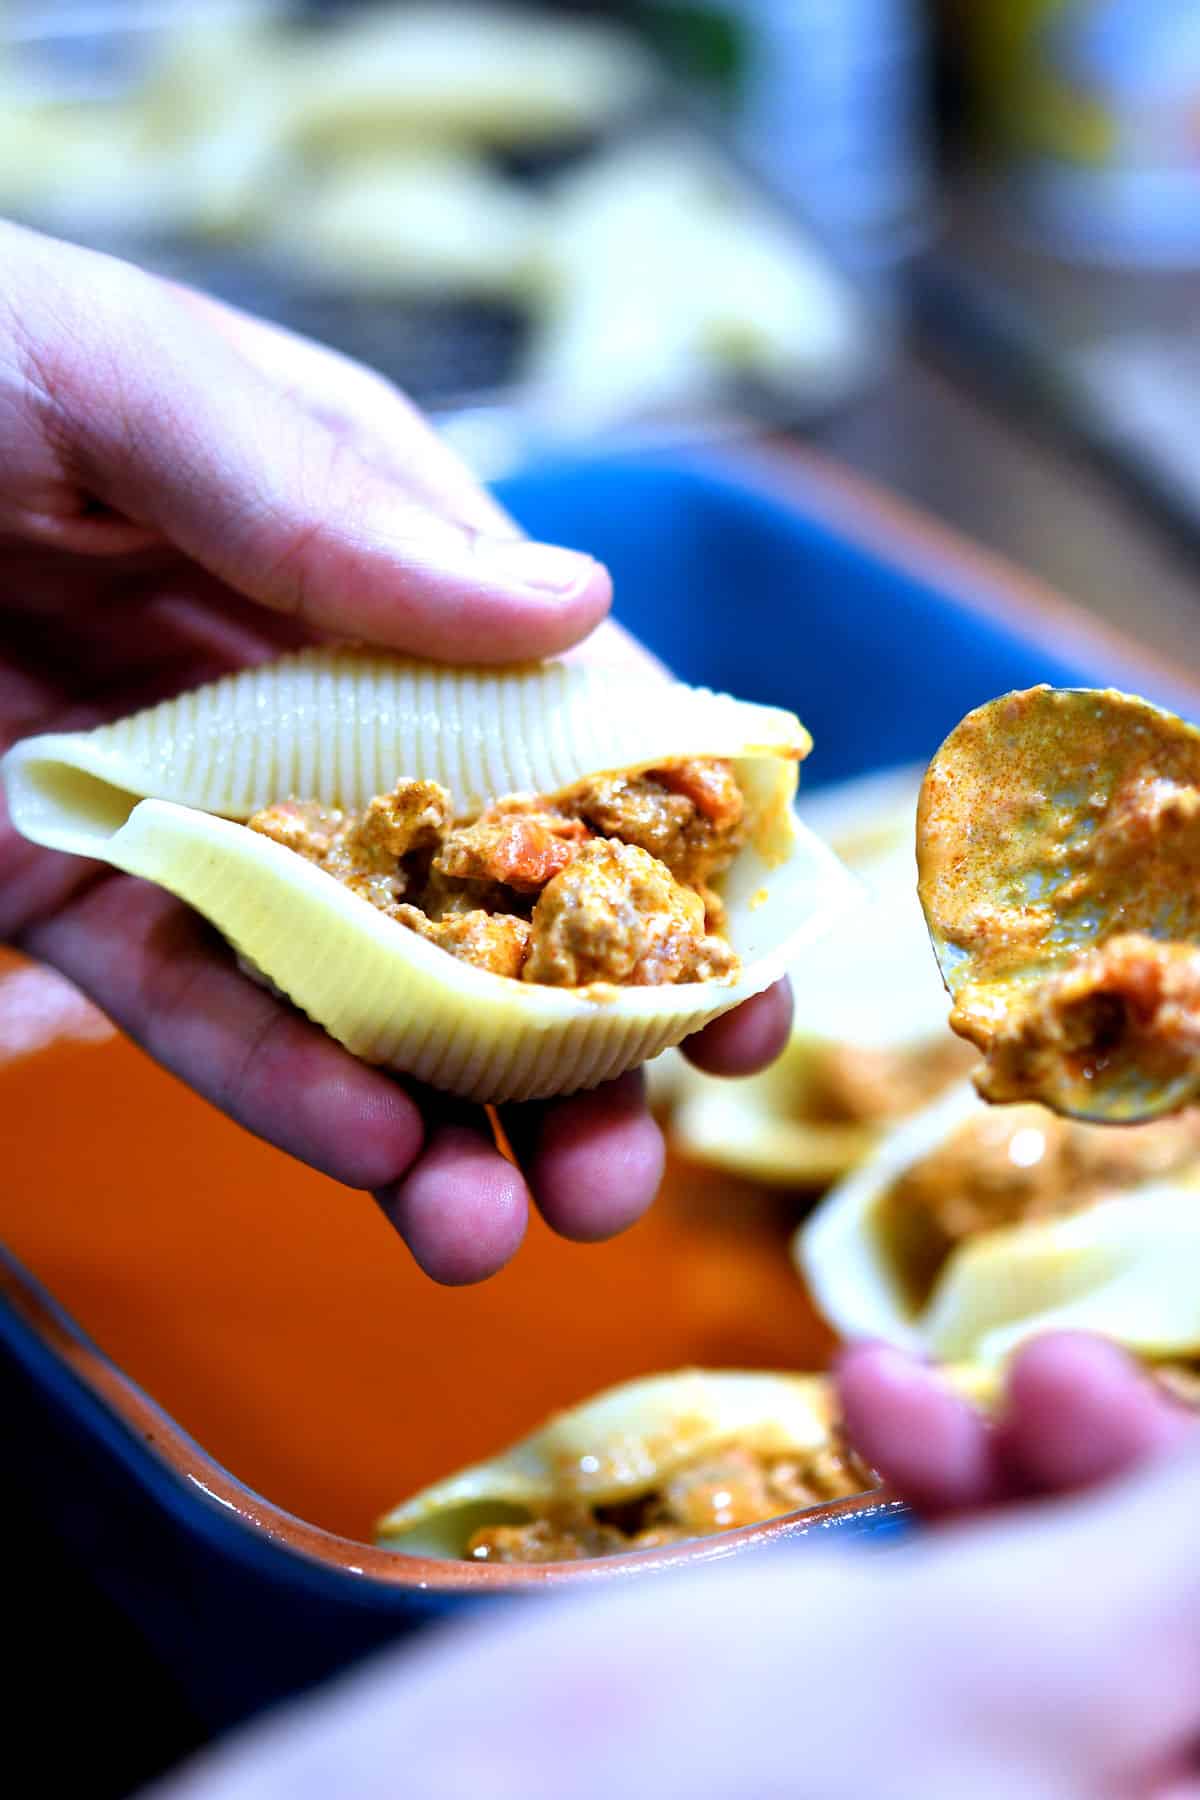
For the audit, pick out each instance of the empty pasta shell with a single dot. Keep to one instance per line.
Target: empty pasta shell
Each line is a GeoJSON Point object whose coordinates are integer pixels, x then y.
{"type": "Point", "coordinates": [617, 1448]}
{"type": "Point", "coordinates": [1125, 1263]}
{"type": "Point", "coordinates": [869, 1039]}
{"type": "Point", "coordinates": [162, 794]}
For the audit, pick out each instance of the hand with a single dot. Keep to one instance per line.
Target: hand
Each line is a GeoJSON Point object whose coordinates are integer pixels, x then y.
{"type": "Point", "coordinates": [184, 490]}
{"type": "Point", "coordinates": [1051, 1653]}
{"type": "Point", "coordinates": [1076, 1411]}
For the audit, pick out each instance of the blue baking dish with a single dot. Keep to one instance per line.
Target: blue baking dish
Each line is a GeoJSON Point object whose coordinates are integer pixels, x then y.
{"type": "Point", "coordinates": [782, 580]}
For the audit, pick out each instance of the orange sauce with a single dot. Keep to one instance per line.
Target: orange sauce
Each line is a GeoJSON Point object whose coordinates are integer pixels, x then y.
{"type": "Point", "coordinates": [279, 1320]}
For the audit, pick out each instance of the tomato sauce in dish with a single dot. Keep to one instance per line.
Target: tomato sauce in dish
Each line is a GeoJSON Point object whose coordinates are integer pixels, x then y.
{"type": "Point", "coordinates": [280, 1321]}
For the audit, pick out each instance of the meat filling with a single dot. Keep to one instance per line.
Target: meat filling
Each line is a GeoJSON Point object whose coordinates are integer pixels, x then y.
{"type": "Point", "coordinates": [608, 882]}
{"type": "Point", "coordinates": [617, 914]}
{"type": "Point", "coordinates": [1012, 1167]}
{"type": "Point", "coordinates": [1130, 1002]}
{"type": "Point", "coordinates": [736, 1486]}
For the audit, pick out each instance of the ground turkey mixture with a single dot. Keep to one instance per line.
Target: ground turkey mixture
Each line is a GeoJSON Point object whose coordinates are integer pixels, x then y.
{"type": "Point", "coordinates": [1130, 1002]}
{"type": "Point", "coordinates": [608, 882]}
{"type": "Point", "coordinates": [1013, 1165]}
{"type": "Point", "coordinates": [719, 1491]}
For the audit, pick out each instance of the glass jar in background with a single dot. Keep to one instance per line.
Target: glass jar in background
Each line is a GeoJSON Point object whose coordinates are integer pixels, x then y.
{"type": "Point", "coordinates": [1094, 109]}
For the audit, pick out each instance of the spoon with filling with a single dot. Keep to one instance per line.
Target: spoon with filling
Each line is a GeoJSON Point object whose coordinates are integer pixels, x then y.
{"type": "Point", "coordinates": [1058, 856]}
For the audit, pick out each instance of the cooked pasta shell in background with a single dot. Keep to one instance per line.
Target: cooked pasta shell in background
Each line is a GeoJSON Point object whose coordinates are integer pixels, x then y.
{"type": "Point", "coordinates": [727, 289]}
{"type": "Point", "coordinates": [666, 1081]}
{"type": "Point", "coordinates": [162, 794]}
{"type": "Point", "coordinates": [647, 1441]}
{"type": "Point", "coordinates": [1124, 1262]}
{"type": "Point", "coordinates": [617, 1448]}
{"type": "Point", "coordinates": [869, 1041]}
{"type": "Point", "coordinates": [412, 221]}
{"type": "Point", "coordinates": [432, 74]}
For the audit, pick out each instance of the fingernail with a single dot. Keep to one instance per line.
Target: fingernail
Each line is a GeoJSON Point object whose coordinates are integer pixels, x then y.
{"type": "Point", "coordinates": [546, 567]}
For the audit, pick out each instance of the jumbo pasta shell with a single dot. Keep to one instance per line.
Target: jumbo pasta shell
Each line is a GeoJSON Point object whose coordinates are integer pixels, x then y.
{"type": "Point", "coordinates": [162, 794]}
{"type": "Point", "coordinates": [615, 1448]}
{"type": "Point", "coordinates": [1127, 1265]}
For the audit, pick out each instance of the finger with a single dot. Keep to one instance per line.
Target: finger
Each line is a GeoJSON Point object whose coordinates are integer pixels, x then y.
{"type": "Point", "coordinates": [160, 418]}
{"type": "Point", "coordinates": [743, 1041]}
{"type": "Point", "coordinates": [354, 401]}
{"type": "Point", "coordinates": [461, 1209]}
{"type": "Point", "coordinates": [1080, 1411]}
{"type": "Point", "coordinates": [158, 971]}
{"type": "Point", "coordinates": [392, 434]}
{"type": "Point", "coordinates": [593, 1162]}
{"type": "Point", "coordinates": [928, 1444]}
{"type": "Point", "coordinates": [146, 631]}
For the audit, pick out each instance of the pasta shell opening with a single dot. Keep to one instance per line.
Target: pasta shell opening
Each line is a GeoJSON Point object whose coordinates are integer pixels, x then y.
{"type": "Point", "coordinates": [61, 803]}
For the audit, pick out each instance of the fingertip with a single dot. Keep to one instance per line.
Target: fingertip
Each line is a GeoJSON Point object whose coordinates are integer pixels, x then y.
{"type": "Point", "coordinates": [461, 1209]}
{"type": "Point", "coordinates": [864, 1354]}
{"type": "Point", "coordinates": [745, 1040]}
{"type": "Point", "coordinates": [865, 1373]}
{"type": "Point", "coordinates": [1081, 1410]}
{"type": "Point", "coordinates": [930, 1446]}
{"type": "Point", "coordinates": [594, 1161]}
{"type": "Point", "coordinates": [540, 600]}
{"type": "Point", "coordinates": [1066, 1362]}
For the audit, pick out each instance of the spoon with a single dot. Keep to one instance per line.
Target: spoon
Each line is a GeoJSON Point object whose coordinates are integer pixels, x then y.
{"type": "Point", "coordinates": [1058, 856]}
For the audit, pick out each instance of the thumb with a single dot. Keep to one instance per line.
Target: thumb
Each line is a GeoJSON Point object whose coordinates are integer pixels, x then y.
{"type": "Point", "coordinates": [161, 418]}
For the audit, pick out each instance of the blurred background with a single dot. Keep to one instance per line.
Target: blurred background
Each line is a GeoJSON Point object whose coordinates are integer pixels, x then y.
{"type": "Point", "coordinates": [953, 241]}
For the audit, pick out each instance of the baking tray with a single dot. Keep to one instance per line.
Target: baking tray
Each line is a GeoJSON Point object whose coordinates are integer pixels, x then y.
{"type": "Point", "coordinates": [780, 578]}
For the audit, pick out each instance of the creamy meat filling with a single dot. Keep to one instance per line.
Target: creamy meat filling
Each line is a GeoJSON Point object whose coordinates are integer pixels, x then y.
{"type": "Point", "coordinates": [1129, 1002]}
{"type": "Point", "coordinates": [609, 882]}
{"type": "Point", "coordinates": [717, 1492]}
{"type": "Point", "coordinates": [1014, 1166]}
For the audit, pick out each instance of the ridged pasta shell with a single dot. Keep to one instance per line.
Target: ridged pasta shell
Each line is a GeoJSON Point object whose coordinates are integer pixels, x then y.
{"type": "Point", "coordinates": [161, 795]}
{"type": "Point", "coordinates": [617, 1447]}
{"type": "Point", "coordinates": [875, 988]}
{"type": "Point", "coordinates": [1127, 1266]}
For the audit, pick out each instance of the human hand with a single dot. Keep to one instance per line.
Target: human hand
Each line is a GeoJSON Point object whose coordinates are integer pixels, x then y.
{"type": "Point", "coordinates": [1076, 1410]}
{"type": "Point", "coordinates": [185, 490]}
{"type": "Point", "coordinates": [1050, 1652]}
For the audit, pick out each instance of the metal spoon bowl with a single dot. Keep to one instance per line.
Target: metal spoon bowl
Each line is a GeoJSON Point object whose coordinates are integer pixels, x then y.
{"type": "Point", "coordinates": [1058, 851]}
